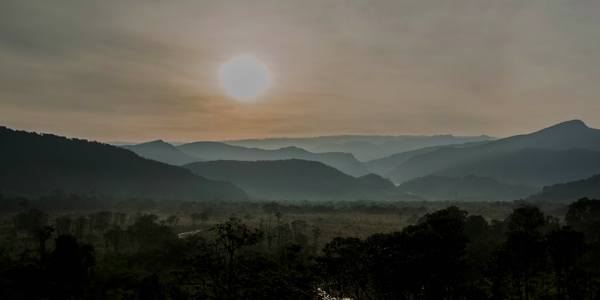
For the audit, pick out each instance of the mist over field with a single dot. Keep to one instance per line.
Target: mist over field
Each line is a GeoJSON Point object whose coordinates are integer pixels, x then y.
{"type": "Point", "coordinates": [310, 150]}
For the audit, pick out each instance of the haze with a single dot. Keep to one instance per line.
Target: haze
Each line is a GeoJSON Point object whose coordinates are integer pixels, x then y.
{"type": "Point", "coordinates": [143, 70]}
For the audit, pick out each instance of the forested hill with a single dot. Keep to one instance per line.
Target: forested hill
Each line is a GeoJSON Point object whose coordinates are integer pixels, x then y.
{"type": "Point", "coordinates": [566, 192]}
{"type": "Point", "coordinates": [34, 164]}
{"type": "Point", "coordinates": [298, 179]}
{"type": "Point", "coordinates": [163, 152]}
{"type": "Point", "coordinates": [560, 137]}
{"type": "Point", "coordinates": [468, 188]}
{"type": "Point", "coordinates": [384, 166]}
{"type": "Point", "coordinates": [534, 167]}
{"type": "Point", "coordinates": [344, 162]}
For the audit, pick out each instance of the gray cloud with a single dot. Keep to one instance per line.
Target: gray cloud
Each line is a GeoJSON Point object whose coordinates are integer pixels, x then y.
{"type": "Point", "coordinates": [140, 70]}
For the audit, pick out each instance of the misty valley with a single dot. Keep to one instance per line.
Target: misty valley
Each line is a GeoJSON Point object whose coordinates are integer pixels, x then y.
{"type": "Point", "coordinates": [443, 218]}
{"type": "Point", "coordinates": [300, 150]}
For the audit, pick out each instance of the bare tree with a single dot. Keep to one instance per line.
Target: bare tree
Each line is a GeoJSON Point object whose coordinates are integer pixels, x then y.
{"type": "Point", "coordinates": [172, 220]}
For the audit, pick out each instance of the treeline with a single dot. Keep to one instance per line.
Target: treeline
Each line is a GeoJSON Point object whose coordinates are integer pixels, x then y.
{"type": "Point", "coordinates": [60, 201]}
{"type": "Point", "coordinates": [75, 202]}
{"type": "Point", "coordinates": [448, 254]}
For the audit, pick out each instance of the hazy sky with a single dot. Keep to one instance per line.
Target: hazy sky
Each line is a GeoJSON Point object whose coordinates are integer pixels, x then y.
{"type": "Point", "coordinates": [144, 70]}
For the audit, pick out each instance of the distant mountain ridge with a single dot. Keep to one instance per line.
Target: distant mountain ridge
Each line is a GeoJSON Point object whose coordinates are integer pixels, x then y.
{"type": "Point", "coordinates": [383, 166]}
{"type": "Point", "coordinates": [296, 179]}
{"type": "Point", "coordinates": [363, 147]}
{"type": "Point", "coordinates": [534, 167]}
{"type": "Point", "coordinates": [163, 152]}
{"type": "Point", "coordinates": [570, 191]}
{"type": "Point", "coordinates": [34, 164]}
{"type": "Point", "coordinates": [467, 188]}
{"type": "Point", "coordinates": [365, 151]}
{"type": "Point", "coordinates": [344, 162]}
{"type": "Point", "coordinates": [564, 136]}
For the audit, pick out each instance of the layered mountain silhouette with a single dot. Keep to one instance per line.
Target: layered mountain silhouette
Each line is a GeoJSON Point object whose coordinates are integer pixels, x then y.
{"type": "Point", "coordinates": [535, 167]}
{"type": "Point", "coordinates": [344, 162]}
{"type": "Point", "coordinates": [468, 188]}
{"type": "Point", "coordinates": [511, 168]}
{"type": "Point", "coordinates": [163, 152]}
{"type": "Point", "coordinates": [363, 147]}
{"type": "Point", "coordinates": [34, 164]}
{"type": "Point", "coordinates": [570, 191]}
{"type": "Point", "coordinates": [564, 136]}
{"type": "Point", "coordinates": [297, 179]}
{"type": "Point", "coordinates": [365, 151]}
{"type": "Point", "coordinates": [376, 181]}
{"type": "Point", "coordinates": [383, 166]}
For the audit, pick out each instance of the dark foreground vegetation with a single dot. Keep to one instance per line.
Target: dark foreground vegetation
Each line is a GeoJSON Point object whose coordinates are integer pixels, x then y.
{"type": "Point", "coordinates": [142, 249]}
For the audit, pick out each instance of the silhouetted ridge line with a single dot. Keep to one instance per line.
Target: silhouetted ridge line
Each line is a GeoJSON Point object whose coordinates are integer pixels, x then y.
{"type": "Point", "coordinates": [565, 136]}
{"type": "Point", "coordinates": [344, 162]}
{"type": "Point", "coordinates": [568, 192]}
{"type": "Point", "coordinates": [38, 164]}
{"type": "Point", "coordinates": [164, 152]}
{"type": "Point", "coordinates": [296, 179]}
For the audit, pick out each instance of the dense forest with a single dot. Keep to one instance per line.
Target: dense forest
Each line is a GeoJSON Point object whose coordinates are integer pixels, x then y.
{"type": "Point", "coordinates": [145, 249]}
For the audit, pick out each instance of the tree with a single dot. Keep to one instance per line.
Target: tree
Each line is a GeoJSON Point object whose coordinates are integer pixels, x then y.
{"type": "Point", "coordinates": [317, 232]}
{"type": "Point", "coordinates": [145, 232]}
{"type": "Point", "coordinates": [229, 269]}
{"type": "Point", "coordinates": [69, 267]}
{"type": "Point", "coordinates": [120, 219]}
{"type": "Point", "coordinates": [101, 221]}
{"type": "Point", "coordinates": [114, 237]}
{"type": "Point", "coordinates": [278, 215]}
{"type": "Point", "coordinates": [437, 248]}
{"type": "Point", "coordinates": [30, 220]}
{"type": "Point", "coordinates": [81, 226]}
{"type": "Point", "coordinates": [344, 269]}
{"type": "Point", "coordinates": [584, 215]}
{"type": "Point", "coordinates": [566, 248]}
{"type": "Point", "coordinates": [204, 217]}
{"type": "Point", "coordinates": [217, 270]}
{"type": "Point", "coordinates": [522, 255]}
{"type": "Point", "coordinates": [172, 220]}
{"type": "Point", "coordinates": [298, 226]}
{"type": "Point", "coordinates": [195, 217]}
{"type": "Point", "coordinates": [41, 235]}
{"type": "Point", "coordinates": [63, 224]}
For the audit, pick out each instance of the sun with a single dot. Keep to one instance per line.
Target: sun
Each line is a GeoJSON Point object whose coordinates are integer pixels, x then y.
{"type": "Point", "coordinates": [245, 77]}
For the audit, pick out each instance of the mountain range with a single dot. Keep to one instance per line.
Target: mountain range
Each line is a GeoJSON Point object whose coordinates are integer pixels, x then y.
{"type": "Point", "coordinates": [562, 158]}
{"type": "Point", "coordinates": [479, 160]}
{"type": "Point", "coordinates": [363, 147]}
{"type": "Point", "coordinates": [534, 167]}
{"type": "Point", "coordinates": [297, 179]}
{"type": "Point", "coordinates": [344, 162]}
{"type": "Point", "coordinates": [384, 166]}
{"type": "Point", "coordinates": [570, 191]}
{"type": "Point", "coordinates": [163, 152]}
{"type": "Point", "coordinates": [365, 151]}
{"type": "Point", "coordinates": [34, 165]}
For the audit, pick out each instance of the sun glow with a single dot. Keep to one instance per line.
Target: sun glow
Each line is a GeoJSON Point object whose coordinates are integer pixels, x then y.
{"type": "Point", "coordinates": [245, 77]}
